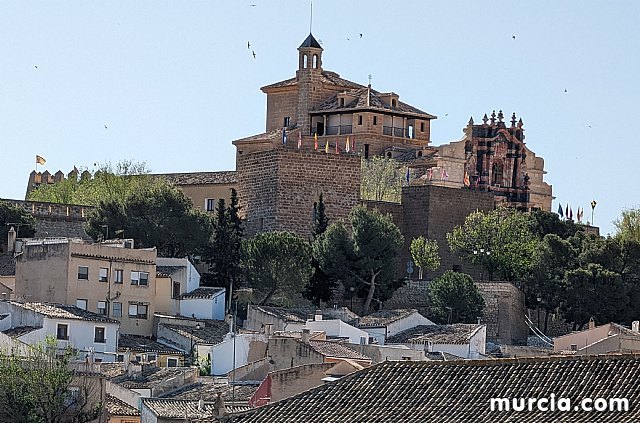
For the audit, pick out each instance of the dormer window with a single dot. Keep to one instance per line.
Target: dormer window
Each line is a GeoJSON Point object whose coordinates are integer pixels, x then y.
{"type": "Point", "coordinates": [341, 102]}
{"type": "Point", "coordinates": [394, 103]}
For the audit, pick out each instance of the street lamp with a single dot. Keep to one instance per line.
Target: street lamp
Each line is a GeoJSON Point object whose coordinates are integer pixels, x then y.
{"type": "Point", "coordinates": [483, 253]}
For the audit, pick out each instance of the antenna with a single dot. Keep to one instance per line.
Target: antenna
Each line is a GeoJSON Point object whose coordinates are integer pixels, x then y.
{"type": "Point", "coordinates": [310, 16]}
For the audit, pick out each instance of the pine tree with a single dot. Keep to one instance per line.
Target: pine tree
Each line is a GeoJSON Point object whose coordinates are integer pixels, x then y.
{"type": "Point", "coordinates": [320, 287]}
{"type": "Point", "coordinates": [320, 221]}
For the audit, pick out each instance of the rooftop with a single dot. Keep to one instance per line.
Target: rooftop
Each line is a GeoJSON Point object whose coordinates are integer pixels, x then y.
{"type": "Point", "coordinates": [137, 343]}
{"type": "Point", "coordinates": [17, 332]}
{"type": "Point", "coordinates": [179, 409]}
{"type": "Point", "coordinates": [209, 392]}
{"type": "Point", "coordinates": [459, 333]}
{"type": "Point", "coordinates": [63, 311]}
{"type": "Point", "coordinates": [336, 350]}
{"type": "Point", "coordinates": [204, 292]}
{"type": "Point", "coordinates": [7, 265]}
{"type": "Point", "coordinates": [117, 407]}
{"type": "Point", "coordinates": [384, 317]}
{"type": "Point", "coordinates": [213, 331]}
{"type": "Point", "coordinates": [150, 378]}
{"type": "Point", "coordinates": [460, 391]}
{"type": "Point", "coordinates": [328, 78]}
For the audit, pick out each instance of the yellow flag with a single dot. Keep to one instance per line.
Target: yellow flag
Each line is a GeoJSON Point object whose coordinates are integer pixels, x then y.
{"type": "Point", "coordinates": [347, 146]}
{"type": "Point", "coordinates": [326, 147]}
{"type": "Point", "coordinates": [40, 160]}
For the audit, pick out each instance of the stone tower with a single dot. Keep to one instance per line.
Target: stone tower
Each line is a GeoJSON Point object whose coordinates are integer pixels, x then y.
{"type": "Point", "coordinates": [309, 76]}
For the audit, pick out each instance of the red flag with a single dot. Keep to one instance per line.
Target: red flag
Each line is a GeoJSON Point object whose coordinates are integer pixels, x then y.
{"type": "Point", "coordinates": [353, 143]}
{"type": "Point", "coordinates": [299, 140]}
{"type": "Point", "coordinates": [430, 173]}
{"type": "Point", "coordinates": [337, 148]}
{"type": "Point", "coordinates": [466, 179]}
{"type": "Point", "coordinates": [445, 175]}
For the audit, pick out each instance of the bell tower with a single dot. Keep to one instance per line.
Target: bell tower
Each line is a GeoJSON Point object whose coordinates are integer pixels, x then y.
{"type": "Point", "coordinates": [309, 76]}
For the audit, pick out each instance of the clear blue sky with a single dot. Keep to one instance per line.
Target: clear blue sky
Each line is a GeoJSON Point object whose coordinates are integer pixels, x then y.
{"type": "Point", "coordinates": [175, 83]}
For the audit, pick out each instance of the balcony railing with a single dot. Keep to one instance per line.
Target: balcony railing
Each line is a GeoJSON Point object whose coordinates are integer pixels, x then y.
{"type": "Point", "coordinates": [335, 130]}
{"type": "Point", "coordinates": [331, 130]}
{"type": "Point", "coordinates": [398, 132]}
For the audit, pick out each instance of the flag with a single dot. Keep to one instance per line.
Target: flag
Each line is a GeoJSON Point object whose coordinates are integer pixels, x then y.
{"type": "Point", "coordinates": [347, 148]}
{"type": "Point", "coordinates": [571, 214]}
{"type": "Point", "coordinates": [284, 135]}
{"type": "Point", "coordinates": [299, 140]}
{"type": "Point", "coordinates": [466, 179]}
{"type": "Point", "coordinates": [430, 173]}
{"type": "Point", "coordinates": [566, 211]}
{"type": "Point", "coordinates": [579, 214]}
{"type": "Point", "coordinates": [560, 210]}
{"type": "Point", "coordinates": [315, 141]}
{"type": "Point", "coordinates": [353, 143]}
{"type": "Point", "coordinates": [337, 148]}
{"type": "Point", "coordinates": [40, 160]}
{"type": "Point", "coordinates": [445, 175]}
{"type": "Point", "coordinates": [326, 147]}
{"type": "Point", "coordinates": [408, 176]}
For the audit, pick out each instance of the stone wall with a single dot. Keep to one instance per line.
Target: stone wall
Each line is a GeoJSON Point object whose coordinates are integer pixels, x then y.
{"type": "Point", "coordinates": [277, 188]}
{"type": "Point", "coordinates": [504, 313]}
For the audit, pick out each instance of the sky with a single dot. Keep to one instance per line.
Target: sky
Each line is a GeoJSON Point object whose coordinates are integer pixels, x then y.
{"type": "Point", "coordinates": [172, 83]}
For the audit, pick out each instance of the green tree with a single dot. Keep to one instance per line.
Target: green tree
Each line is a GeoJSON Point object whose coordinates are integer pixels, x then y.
{"type": "Point", "coordinates": [425, 254]}
{"type": "Point", "coordinates": [159, 216]}
{"type": "Point", "coordinates": [276, 264]}
{"type": "Point", "coordinates": [108, 183]}
{"type": "Point", "coordinates": [36, 388]}
{"type": "Point", "coordinates": [320, 287]}
{"type": "Point", "coordinates": [365, 259]}
{"type": "Point", "coordinates": [544, 222]}
{"type": "Point", "coordinates": [628, 225]}
{"type": "Point", "coordinates": [454, 295]}
{"type": "Point", "coordinates": [19, 219]}
{"type": "Point", "coordinates": [381, 179]}
{"type": "Point", "coordinates": [499, 240]}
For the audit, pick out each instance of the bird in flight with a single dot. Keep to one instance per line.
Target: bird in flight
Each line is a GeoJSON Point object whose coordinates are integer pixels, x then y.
{"type": "Point", "coordinates": [253, 5]}
{"type": "Point", "coordinates": [105, 127]}
{"type": "Point", "coordinates": [36, 66]}
{"type": "Point", "coordinates": [565, 90]}
{"type": "Point", "coordinates": [254, 54]}
{"type": "Point", "coordinates": [361, 35]}
{"type": "Point", "coordinates": [513, 36]}
{"type": "Point", "coordinates": [248, 45]}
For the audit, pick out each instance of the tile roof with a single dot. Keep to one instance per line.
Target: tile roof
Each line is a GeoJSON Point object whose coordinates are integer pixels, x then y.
{"type": "Point", "coordinates": [138, 343]}
{"type": "Point", "coordinates": [179, 409]}
{"type": "Point", "coordinates": [365, 98]}
{"type": "Point", "coordinates": [7, 265]}
{"type": "Point", "coordinates": [460, 391]}
{"type": "Point", "coordinates": [327, 78]}
{"type": "Point", "coordinates": [200, 178]}
{"type": "Point", "coordinates": [111, 370]}
{"type": "Point", "coordinates": [17, 332]}
{"type": "Point", "coordinates": [209, 392]}
{"type": "Point", "coordinates": [213, 332]}
{"type": "Point", "coordinates": [299, 315]}
{"type": "Point", "coordinates": [63, 311]}
{"type": "Point", "coordinates": [310, 41]}
{"type": "Point", "coordinates": [458, 333]}
{"type": "Point", "coordinates": [168, 270]}
{"type": "Point", "coordinates": [204, 292]}
{"type": "Point", "coordinates": [151, 377]}
{"type": "Point", "coordinates": [384, 317]}
{"type": "Point", "coordinates": [117, 407]}
{"type": "Point", "coordinates": [336, 350]}
{"type": "Point", "coordinates": [265, 136]}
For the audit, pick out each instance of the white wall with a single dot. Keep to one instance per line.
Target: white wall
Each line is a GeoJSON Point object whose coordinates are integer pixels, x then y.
{"type": "Point", "coordinates": [189, 276]}
{"type": "Point", "coordinates": [81, 336]}
{"type": "Point", "coordinates": [202, 308]}
{"type": "Point", "coordinates": [222, 353]}
{"type": "Point", "coordinates": [338, 328]}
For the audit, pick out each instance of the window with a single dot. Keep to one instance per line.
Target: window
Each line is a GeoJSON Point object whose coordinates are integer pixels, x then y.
{"type": "Point", "coordinates": [410, 131]}
{"type": "Point", "coordinates": [139, 278]}
{"type": "Point", "coordinates": [116, 309]}
{"type": "Point", "coordinates": [80, 303]}
{"type": "Point", "coordinates": [315, 61]}
{"type": "Point", "coordinates": [118, 276]}
{"type": "Point", "coordinates": [102, 308]}
{"type": "Point", "coordinates": [209, 204]}
{"type": "Point", "coordinates": [103, 276]}
{"type": "Point", "coordinates": [175, 292]}
{"type": "Point", "coordinates": [375, 120]}
{"type": "Point", "coordinates": [304, 61]}
{"type": "Point", "coordinates": [138, 311]}
{"type": "Point", "coordinates": [99, 335]}
{"type": "Point", "coordinates": [366, 151]}
{"type": "Point", "coordinates": [151, 357]}
{"type": "Point", "coordinates": [62, 331]}
{"type": "Point", "coordinates": [83, 273]}
{"type": "Point", "coordinates": [341, 102]}
{"type": "Point", "coordinates": [394, 103]}
{"type": "Point", "coordinates": [120, 358]}
{"type": "Point", "coordinates": [422, 126]}
{"type": "Point", "coordinates": [172, 362]}
{"type": "Point", "coordinates": [359, 119]}
{"type": "Point", "coordinates": [286, 122]}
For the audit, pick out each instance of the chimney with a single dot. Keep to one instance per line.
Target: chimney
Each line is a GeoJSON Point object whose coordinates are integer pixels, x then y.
{"type": "Point", "coordinates": [305, 335]}
{"type": "Point", "coordinates": [201, 404]}
{"type": "Point", "coordinates": [318, 316]}
{"type": "Point", "coordinates": [592, 323]}
{"type": "Point", "coordinates": [221, 409]}
{"type": "Point", "coordinates": [635, 326]}
{"type": "Point", "coordinates": [11, 241]}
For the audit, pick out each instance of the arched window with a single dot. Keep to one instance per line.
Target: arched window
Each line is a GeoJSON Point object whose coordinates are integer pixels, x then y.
{"type": "Point", "coordinates": [304, 61]}
{"type": "Point", "coordinates": [389, 154]}
{"type": "Point", "coordinates": [315, 61]}
{"type": "Point", "coordinates": [496, 173]}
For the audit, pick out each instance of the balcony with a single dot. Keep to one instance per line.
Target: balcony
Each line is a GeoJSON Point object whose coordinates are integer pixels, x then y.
{"type": "Point", "coordinates": [398, 132]}
{"type": "Point", "coordinates": [338, 130]}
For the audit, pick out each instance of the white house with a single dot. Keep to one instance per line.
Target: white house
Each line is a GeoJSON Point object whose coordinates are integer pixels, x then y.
{"type": "Point", "coordinates": [182, 269]}
{"type": "Point", "coordinates": [204, 303]}
{"type": "Point", "coordinates": [236, 351]}
{"type": "Point", "coordinates": [462, 340]}
{"type": "Point", "coordinates": [385, 323]}
{"type": "Point", "coordinates": [91, 334]}
{"type": "Point", "coordinates": [336, 328]}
